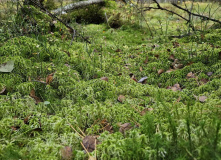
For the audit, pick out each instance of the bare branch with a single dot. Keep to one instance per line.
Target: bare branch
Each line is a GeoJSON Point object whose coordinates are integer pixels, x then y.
{"type": "Point", "coordinates": [194, 14]}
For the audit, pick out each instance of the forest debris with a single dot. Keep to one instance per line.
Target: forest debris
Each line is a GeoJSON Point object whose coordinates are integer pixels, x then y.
{"type": "Point", "coordinates": [190, 75]}
{"type": "Point", "coordinates": [176, 44]}
{"type": "Point", "coordinates": [170, 70]}
{"type": "Point", "coordinates": [172, 57]}
{"type": "Point", "coordinates": [146, 60]}
{"type": "Point", "coordinates": [106, 126]}
{"type": "Point", "coordinates": [49, 78]}
{"type": "Point", "coordinates": [66, 153]}
{"type": "Point", "coordinates": [7, 67]}
{"type": "Point", "coordinates": [160, 71]}
{"type": "Point", "coordinates": [202, 98]}
{"type": "Point", "coordinates": [143, 80]}
{"type": "Point", "coordinates": [157, 56]}
{"type": "Point", "coordinates": [132, 76]}
{"type": "Point", "coordinates": [124, 127]}
{"type": "Point", "coordinates": [121, 98]}
{"type": "Point", "coordinates": [209, 74]}
{"type": "Point", "coordinates": [89, 143]}
{"type": "Point", "coordinates": [175, 87]}
{"type": "Point", "coordinates": [204, 80]}
{"type": "Point", "coordinates": [104, 79]}
{"type": "Point", "coordinates": [141, 69]}
{"type": "Point", "coordinates": [176, 64]}
{"type": "Point", "coordinates": [144, 111]}
{"type": "Point", "coordinates": [3, 90]}
{"type": "Point", "coordinates": [32, 94]}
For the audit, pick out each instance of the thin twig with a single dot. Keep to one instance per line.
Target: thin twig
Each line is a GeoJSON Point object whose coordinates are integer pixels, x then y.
{"type": "Point", "coordinates": [76, 130]}
{"type": "Point", "coordinates": [194, 14]}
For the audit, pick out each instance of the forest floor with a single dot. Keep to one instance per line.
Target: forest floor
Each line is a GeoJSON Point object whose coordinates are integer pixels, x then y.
{"type": "Point", "coordinates": [134, 92]}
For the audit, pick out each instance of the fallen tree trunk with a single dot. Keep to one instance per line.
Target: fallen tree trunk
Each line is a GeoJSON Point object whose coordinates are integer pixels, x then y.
{"type": "Point", "coordinates": [76, 5]}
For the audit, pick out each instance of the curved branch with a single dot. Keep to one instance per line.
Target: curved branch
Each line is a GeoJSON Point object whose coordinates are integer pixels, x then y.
{"type": "Point", "coordinates": [198, 15]}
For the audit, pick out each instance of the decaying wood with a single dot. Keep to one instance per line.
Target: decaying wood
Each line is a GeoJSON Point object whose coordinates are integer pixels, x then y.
{"type": "Point", "coordinates": [76, 5]}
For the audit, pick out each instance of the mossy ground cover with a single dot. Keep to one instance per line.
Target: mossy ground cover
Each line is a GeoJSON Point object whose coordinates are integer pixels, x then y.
{"type": "Point", "coordinates": [166, 122]}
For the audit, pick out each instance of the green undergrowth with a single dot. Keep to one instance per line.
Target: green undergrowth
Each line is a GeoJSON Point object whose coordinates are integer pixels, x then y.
{"type": "Point", "coordinates": [178, 124]}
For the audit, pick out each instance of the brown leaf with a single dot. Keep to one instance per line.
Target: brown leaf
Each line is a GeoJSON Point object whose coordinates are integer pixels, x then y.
{"type": "Point", "coordinates": [175, 87]}
{"type": "Point", "coordinates": [32, 94]}
{"type": "Point", "coordinates": [157, 56]}
{"type": "Point", "coordinates": [49, 78]}
{"type": "Point", "coordinates": [14, 128]}
{"type": "Point", "coordinates": [89, 143]}
{"type": "Point", "coordinates": [121, 98]}
{"type": "Point", "coordinates": [104, 79]}
{"type": "Point", "coordinates": [143, 112]}
{"type": "Point", "coordinates": [176, 44]}
{"type": "Point", "coordinates": [190, 75]}
{"type": "Point", "coordinates": [124, 127]}
{"type": "Point", "coordinates": [118, 50]}
{"type": "Point", "coordinates": [3, 90]}
{"type": "Point", "coordinates": [188, 64]}
{"type": "Point", "coordinates": [106, 126]}
{"type": "Point", "coordinates": [66, 153]}
{"type": "Point", "coordinates": [146, 60]}
{"type": "Point", "coordinates": [170, 70]}
{"type": "Point", "coordinates": [204, 80]}
{"type": "Point", "coordinates": [172, 57]}
{"type": "Point", "coordinates": [202, 98]}
{"type": "Point", "coordinates": [160, 71]}
{"type": "Point", "coordinates": [141, 69]}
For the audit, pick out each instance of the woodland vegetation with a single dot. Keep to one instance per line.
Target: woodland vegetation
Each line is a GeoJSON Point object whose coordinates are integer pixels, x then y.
{"type": "Point", "coordinates": [110, 80]}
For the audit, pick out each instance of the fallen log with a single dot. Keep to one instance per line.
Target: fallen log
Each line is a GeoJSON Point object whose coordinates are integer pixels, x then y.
{"type": "Point", "coordinates": [76, 5]}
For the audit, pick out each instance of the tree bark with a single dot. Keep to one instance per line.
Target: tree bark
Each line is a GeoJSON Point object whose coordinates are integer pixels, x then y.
{"type": "Point", "coordinates": [76, 5]}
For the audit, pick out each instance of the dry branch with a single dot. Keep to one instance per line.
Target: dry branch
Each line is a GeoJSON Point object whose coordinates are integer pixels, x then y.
{"type": "Point", "coordinates": [197, 15]}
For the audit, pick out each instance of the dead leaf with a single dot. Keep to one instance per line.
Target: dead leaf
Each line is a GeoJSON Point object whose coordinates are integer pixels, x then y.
{"type": "Point", "coordinates": [3, 90]}
{"type": "Point", "coordinates": [190, 75]}
{"type": "Point", "coordinates": [124, 127]}
{"type": "Point", "coordinates": [143, 80]}
{"type": "Point", "coordinates": [157, 56]}
{"type": "Point", "coordinates": [141, 69]}
{"type": "Point", "coordinates": [170, 70]}
{"type": "Point", "coordinates": [202, 98]}
{"type": "Point", "coordinates": [89, 143]}
{"type": "Point", "coordinates": [204, 80]}
{"type": "Point", "coordinates": [188, 64]}
{"type": "Point", "coordinates": [172, 57]}
{"type": "Point", "coordinates": [66, 153]}
{"type": "Point", "coordinates": [209, 74]}
{"type": "Point", "coordinates": [104, 79]}
{"type": "Point", "coordinates": [176, 44]}
{"type": "Point", "coordinates": [32, 94]}
{"type": "Point", "coordinates": [143, 112]}
{"type": "Point", "coordinates": [15, 128]}
{"type": "Point", "coordinates": [146, 60]}
{"type": "Point", "coordinates": [160, 71]}
{"type": "Point", "coordinates": [118, 50]}
{"type": "Point", "coordinates": [106, 126]}
{"type": "Point", "coordinates": [175, 87]}
{"type": "Point", "coordinates": [121, 98]}
{"type": "Point", "coordinates": [178, 66]}
{"type": "Point", "coordinates": [49, 78]}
